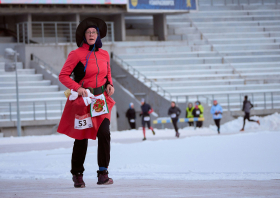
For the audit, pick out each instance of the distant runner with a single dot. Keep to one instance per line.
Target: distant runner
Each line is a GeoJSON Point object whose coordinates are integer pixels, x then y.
{"type": "Point", "coordinates": [247, 106]}
{"type": "Point", "coordinates": [174, 113]}
{"type": "Point", "coordinates": [146, 119]}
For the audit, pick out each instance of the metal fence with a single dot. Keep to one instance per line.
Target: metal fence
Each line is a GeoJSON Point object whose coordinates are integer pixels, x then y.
{"type": "Point", "coordinates": [241, 2]}
{"type": "Point", "coordinates": [54, 32]}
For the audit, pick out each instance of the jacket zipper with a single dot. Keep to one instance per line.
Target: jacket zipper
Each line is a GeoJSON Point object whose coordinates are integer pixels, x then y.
{"type": "Point", "coordinates": [97, 67]}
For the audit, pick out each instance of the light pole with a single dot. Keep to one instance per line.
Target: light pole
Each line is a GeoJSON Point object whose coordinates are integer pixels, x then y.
{"type": "Point", "coordinates": [12, 52]}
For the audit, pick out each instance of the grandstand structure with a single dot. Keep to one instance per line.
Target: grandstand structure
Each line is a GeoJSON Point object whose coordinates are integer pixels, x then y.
{"type": "Point", "coordinates": [222, 52]}
{"type": "Point", "coordinates": [228, 49]}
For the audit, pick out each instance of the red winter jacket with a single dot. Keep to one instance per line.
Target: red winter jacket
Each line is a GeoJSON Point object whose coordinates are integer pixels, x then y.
{"type": "Point", "coordinates": [101, 69]}
{"type": "Point", "coordinates": [98, 68]}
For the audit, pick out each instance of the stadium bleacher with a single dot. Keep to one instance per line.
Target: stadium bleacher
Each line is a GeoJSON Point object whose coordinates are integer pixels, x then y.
{"type": "Point", "coordinates": [35, 94]}
{"type": "Point", "coordinates": [231, 49]}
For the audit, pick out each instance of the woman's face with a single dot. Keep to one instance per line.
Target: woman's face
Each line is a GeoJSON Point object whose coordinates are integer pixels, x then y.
{"type": "Point", "coordinates": [91, 35]}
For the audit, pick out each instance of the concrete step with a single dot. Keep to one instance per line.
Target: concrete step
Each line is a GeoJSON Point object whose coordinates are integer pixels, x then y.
{"type": "Point", "coordinates": [170, 61]}
{"type": "Point", "coordinates": [29, 115]}
{"type": "Point", "coordinates": [245, 40]}
{"type": "Point", "coordinates": [178, 67]}
{"type": "Point", "coordinates": [266, 69]}
{"type": "Point", "coordinates": [189, 72]}
{"type": "Point", "coordinates": [169, 55]}
{"type": "Point", "coordinates": [203, 60]}
{"type": "Point", "coordinates": [27, 77]}
{"type": "Point", "coordinates": [257, 58]}
{"type": "Point", "coordinates": [189, 83]}
{"type": "Point", "coordinates": [255, 65]}
{"type": "Point", "coordinates": [220, 30]}
{"type": "Point", "coordinates": [253, 75]}
{"type": "Point", "coordinates": [29, 106]}
{"type": "Point", "coordinates": [26, 83]}
{"type": "Point", "coordinates": [31, 95]}
{"type": "Point", "coordinates": [250, 53]}
{"type": "Point", "coordinates": [252, 46]}
{"type": "Point", "coordinates": [241, 35]}
{"type": "Point", "coordinates": [202, 89]}
{"type": "Point", "coordinates": [28, 89]}
{"type": "Point", "coordinates": [20, 72]}
{"type": "Point", "coordinates": [223, 93]}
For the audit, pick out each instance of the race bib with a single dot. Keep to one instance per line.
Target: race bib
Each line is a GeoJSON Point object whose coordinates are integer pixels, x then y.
{"type": "Point", "coordinates": [173, 115]}
{"type": "Point", "coordinates": [132, 120]}
{"type": "Point", "coordinates": [147, 118]}
{"type": "Point", "coordinates": [98, 106]}
{"type": "Point", "coordinates": [197, 112]}
{"type": "Point", "coordinates": [83, 122]}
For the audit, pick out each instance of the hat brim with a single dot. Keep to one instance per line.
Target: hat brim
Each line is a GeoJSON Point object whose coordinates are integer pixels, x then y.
{"type": "Point", "coordinates": [85, 24]}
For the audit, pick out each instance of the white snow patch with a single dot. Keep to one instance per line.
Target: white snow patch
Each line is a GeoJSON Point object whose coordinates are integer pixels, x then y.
{"type": "Point", "coordinates": [239, 156]}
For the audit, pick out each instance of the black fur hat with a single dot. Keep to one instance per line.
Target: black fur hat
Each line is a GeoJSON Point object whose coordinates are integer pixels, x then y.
{"type": "Point", "coordinates": [85, 24]}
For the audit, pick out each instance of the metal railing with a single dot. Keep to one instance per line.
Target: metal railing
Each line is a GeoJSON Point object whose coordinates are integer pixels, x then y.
{"type": "Point", "coordinates": [262, 100]}
{"type": "Point", "coordinates": [54, 32]}
{"type": "Point", "coordinates": [45, 65]}
{"type": "Point", "coordinates": [33, 110]}
{"type": "Point", "coordinates": [242, 2]}
{"type": "Point", "coordinates": [138, 75]}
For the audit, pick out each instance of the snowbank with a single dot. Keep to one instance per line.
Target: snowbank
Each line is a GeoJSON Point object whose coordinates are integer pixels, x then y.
{"type": "Point", "coordinates": [240, 156]}
{"type": "Point", "coordinates": [267, 123]}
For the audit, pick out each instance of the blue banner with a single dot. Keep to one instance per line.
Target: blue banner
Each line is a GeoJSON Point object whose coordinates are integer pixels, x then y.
{"type": "Point", "coordinates": [162, 5]}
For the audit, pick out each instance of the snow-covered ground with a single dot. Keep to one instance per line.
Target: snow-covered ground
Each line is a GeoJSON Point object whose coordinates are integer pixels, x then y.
{"type": "Point", "coordinates": [198, 155]}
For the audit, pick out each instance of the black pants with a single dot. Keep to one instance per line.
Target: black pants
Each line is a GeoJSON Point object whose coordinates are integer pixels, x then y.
{"type": "Point", "coordinates": [103, 153]}
{"type": "Point", "coordinates": [146, 123]}
{"type": "Point", "coordinates": [190, 123]}
{"type": "Point", "coordinates": [217, 122]}
{"type": "Point", "coordinates": [174, 122]}
{"type": "Point", "coordinates": [199, 124]}
{"type": "Point", "coordinates": [247, 116]}
{"type": "Point", "coordinates": [132, 124]}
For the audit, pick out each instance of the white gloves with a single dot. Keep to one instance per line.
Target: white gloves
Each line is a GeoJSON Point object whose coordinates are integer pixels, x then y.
{"type": "Point", "coordinates": [87, 100]}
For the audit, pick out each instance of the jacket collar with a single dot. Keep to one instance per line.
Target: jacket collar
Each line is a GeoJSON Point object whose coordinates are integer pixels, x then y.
{"type": "Point", "coordinates": [89, 47]}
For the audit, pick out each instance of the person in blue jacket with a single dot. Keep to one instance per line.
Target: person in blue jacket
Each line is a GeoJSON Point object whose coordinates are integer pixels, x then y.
{"type": "Point", "coordinates": [217, 112]}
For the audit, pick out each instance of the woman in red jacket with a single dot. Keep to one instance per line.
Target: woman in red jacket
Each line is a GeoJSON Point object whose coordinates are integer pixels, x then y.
{"type": "Point", "coordinates": [90, 66]}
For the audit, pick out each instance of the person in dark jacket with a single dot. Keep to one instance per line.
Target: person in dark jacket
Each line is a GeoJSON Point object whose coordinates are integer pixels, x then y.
{"type": "Point", "coordinates": [247, 106]}
{"type": "Point", "coordinates": [146, 119]}
{"type": "Point", "coordinates": [196, 113]}
{"type": "Point", "coordinates": [201, 108]}
{"type": "Point", "coordinates": [189, 112]}
{"type": "Point", "coordinates": [131, 115]}
{"type": "Point", "coordinates": [174, 113]}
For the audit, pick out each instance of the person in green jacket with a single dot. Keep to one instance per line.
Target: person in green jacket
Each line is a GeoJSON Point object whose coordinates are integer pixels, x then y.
{"type": "Point", "coordinates": [189, 113]}
{"type": "Point", "coordinates": [201, 108]}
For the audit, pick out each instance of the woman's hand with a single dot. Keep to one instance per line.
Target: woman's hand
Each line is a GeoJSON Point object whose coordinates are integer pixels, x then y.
{"type": "Point", "coordinates": [82, 92]}
{"type": "Point", "coordinates": [110, 90]}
